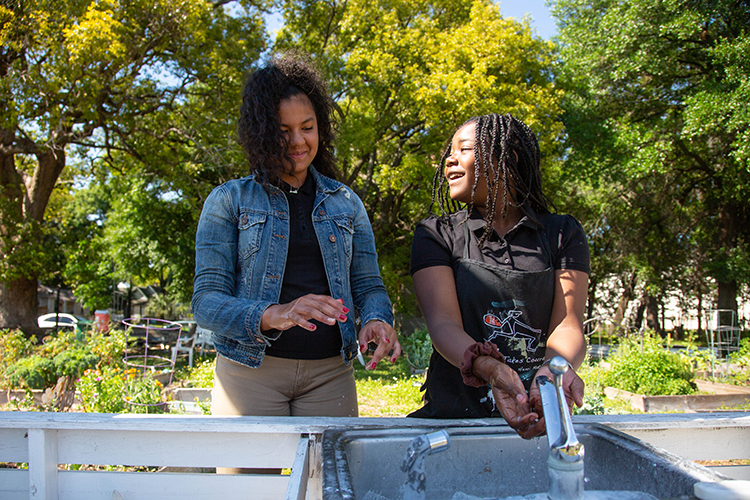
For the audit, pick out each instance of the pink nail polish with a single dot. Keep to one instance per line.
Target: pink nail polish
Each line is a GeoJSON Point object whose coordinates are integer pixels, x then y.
{"type": "Point", "coordinates": [345, 309]}
{"type": "Point", "coordinates": [342, 317]}
{"type": "Point", "coordinates": [387, 340]}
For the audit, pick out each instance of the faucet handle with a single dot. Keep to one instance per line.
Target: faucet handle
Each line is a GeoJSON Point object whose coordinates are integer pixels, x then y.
{"type": "Point", "coordinates": [566, 446]}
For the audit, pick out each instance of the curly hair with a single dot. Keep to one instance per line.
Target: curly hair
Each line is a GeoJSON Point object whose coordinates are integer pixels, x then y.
{"type": "Point", "coordinates": [267, 149]}
{"type": "Point", "coordinates": [507, 154]}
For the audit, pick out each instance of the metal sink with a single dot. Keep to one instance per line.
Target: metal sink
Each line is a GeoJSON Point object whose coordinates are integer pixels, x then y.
{"type": "Point", "coordinates": [494, 462]}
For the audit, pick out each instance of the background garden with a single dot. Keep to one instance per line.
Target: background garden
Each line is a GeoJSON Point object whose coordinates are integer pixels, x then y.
{"type": "Point", "coordinates": [118, 117]}
{"type": "Point", "coordinates": [104, 372]}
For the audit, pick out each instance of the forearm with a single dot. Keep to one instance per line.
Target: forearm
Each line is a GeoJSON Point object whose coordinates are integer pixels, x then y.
{"type": "Point", "coordinates": [568, 343]}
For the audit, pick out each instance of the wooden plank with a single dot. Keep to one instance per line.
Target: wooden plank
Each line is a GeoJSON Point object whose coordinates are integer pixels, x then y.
{"type": "Point", "coordinates": [14, 484]}
{"type": "Point", "coordinates": [707, 443]}
{"type": "Point", "coordinates": [177, 449]}
{"type": "Point", "coordinates": [315, 483]}
{"type": "Point", "coordinates": [297, 488]}
{"type": "Point", "coordinates": [43, 464]}
{"type": "Point", "coordinates": [14, 446]}
{"type": "Point", "coordinates": [77, 485]}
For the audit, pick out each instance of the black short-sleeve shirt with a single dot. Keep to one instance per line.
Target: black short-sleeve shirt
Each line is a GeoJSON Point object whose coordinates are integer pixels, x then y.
{"type": "Point", "coordinates": [440, 242]}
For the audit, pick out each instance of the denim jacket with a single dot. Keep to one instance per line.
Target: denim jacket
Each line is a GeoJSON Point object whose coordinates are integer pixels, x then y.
{"type": "Point", "coordinates": [240, 254]}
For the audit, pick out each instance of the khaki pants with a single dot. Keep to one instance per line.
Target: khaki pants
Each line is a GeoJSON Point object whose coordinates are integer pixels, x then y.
{"type": "Point", "coordinates": [283, 387]}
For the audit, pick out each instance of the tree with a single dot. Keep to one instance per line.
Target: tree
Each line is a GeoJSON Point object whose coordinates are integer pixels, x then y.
{"type": "Point", "coordinates": [406, 74]}
{"type": "Point", "coordinates": [91, 80]}
{"type": "Point", "coordinates": [657, 106]}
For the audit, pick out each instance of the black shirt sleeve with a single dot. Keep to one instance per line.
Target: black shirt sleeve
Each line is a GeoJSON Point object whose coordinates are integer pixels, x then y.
{"type": "Point", "coordinates": [430, 246]}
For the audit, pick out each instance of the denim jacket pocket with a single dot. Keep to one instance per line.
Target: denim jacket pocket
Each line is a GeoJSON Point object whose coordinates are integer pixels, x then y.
{"type": "Point", "coordinates": [250, 226]}
{"type": "Point", "coordinates": [345, 227]}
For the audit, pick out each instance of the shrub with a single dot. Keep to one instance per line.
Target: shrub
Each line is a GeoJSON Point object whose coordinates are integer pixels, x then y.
{"type": "Point", "coordinates": [33, 372]}
{"type": "Point", "coordinates": [417, 348]}
{"type": "Point", "coordinates": [13, 346]}
{"type": "Point", "coordinates": [74, 362]}
{"type": "Point", "coordinates": [651, 371]}
{"type": "Point", "coordinates": [111, 390]}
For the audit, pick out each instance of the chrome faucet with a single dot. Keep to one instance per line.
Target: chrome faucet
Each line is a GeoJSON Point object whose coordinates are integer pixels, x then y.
{"type": "Point", "coordinates": [413, 463]}
{"type": "Point", "coordinates": [565, 462]}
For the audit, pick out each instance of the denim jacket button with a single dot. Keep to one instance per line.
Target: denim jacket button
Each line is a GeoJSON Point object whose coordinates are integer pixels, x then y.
{"type": "Point", "coordinates": [321, 212]}
{"type": "Point", "coordinates": [243, 219]}
{"type": "Point", "coordinates": [332, 239]}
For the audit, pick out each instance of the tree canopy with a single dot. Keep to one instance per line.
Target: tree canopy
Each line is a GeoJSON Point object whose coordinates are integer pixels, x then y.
{"type": "Point", "coordinates": [657, 121]}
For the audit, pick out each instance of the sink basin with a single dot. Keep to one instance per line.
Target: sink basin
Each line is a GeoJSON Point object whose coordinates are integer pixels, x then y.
{"type": "Point", "coordinates": [494, 462]}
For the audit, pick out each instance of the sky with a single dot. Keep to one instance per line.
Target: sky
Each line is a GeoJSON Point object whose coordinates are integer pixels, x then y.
{"type": "Point", "coordinates": [541, 19]}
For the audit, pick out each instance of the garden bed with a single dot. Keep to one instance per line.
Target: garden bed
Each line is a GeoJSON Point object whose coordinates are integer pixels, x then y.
{"type": "Point", "coordinates": [724, 397]}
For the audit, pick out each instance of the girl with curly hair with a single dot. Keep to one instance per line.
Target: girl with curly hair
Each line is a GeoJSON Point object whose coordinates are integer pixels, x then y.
{"type": "Point", "coordinates": [501, 281]}
{"type": "Point", "coordinates": [285, 259]}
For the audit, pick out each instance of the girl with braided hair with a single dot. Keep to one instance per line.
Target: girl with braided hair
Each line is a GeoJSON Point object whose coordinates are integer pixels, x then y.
{"type": "Point", "coordinates": [285, 258]}
{"type": "Point", "coordinates": [501, 280]}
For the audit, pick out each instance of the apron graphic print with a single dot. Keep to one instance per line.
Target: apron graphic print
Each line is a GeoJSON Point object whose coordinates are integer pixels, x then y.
{"type": "Point", "coordinates": [521, 337]}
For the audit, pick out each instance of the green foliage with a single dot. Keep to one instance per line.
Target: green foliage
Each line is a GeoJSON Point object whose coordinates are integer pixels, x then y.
{"type": "Point", "coordinates": [651, 369]}
{"type": "Point", "coordinates": [417, 348]}
{"type": "Point", "coordinates": [406, 73]}
{"type": "Point", "coordinates": [14, 345]}
{"type": "Point", "coordinates": [108, 346]}
{"type": "Point", "coordinates": [657, 120]}
{"type": "Point", "coordinates": [33, 372]}
{"type": "Point", "coordinates": [112, 390]}
{"type": "Point", "coordinates": [742, 357]}
{"type": "Point", "coordinates": [200, 375]}
{"type": "Point", "coordinates": [74, 362]}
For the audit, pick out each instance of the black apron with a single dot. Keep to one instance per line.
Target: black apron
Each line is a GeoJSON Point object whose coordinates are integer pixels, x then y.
{"type": "Point", "coordinates": [507, 307]}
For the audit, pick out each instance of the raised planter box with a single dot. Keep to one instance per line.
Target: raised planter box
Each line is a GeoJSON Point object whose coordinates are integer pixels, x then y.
{"type": "Point", "coordinates": [726, 396]}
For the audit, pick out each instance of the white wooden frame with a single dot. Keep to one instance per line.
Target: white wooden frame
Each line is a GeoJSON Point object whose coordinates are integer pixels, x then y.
{"type": "Point", "coordinates": [45, 440]}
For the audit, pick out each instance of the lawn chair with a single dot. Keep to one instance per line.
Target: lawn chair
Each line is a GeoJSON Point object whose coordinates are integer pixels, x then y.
{"type": "Point", "coordinates": [186, 344]}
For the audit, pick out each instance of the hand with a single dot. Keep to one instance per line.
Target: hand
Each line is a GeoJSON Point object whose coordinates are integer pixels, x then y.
{"type": "Point", "coordinates": [385, 337]}
{"type": "Point", "coordinates": [510, 395]}
{"type": "Point", "coordinates": [300, 311]}
{"type": "Point", "coordinates": [572, 384]}
{"type": "Point", "coordinates": [512, 402]}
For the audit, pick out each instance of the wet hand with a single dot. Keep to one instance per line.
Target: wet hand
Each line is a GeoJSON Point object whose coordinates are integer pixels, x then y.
{"type": "Point", "coordinates": [513, 403]}
{"type": "Point", "coordinates": [573, 388]}
{"type": "Point", "coordinates": [385, 337]}
{"type": "Point", "coordinates": [301, 311]}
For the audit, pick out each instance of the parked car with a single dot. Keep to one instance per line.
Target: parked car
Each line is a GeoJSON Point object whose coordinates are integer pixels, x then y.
{"type": "Point", "coordinates": [63, 320]}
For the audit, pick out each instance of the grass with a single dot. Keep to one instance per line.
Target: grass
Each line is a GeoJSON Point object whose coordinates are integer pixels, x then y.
{"type": "Point", "coordinates": [390, 390]}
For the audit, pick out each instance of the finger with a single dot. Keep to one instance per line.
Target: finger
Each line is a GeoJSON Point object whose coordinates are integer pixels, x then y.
{"type": "Point", "coordinates": [317, 307]}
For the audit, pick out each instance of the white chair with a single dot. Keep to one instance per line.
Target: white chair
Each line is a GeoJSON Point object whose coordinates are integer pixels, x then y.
{"type": "Point", "coordinates": [204, 338]}
{"type": "Point", "coordinates": [186, 344]}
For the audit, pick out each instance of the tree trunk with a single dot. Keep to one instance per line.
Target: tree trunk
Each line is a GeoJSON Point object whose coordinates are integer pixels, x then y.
{"type": "Point", "coordinates": [727, 296]}
{"type": "Point", "coordinates": [19, 306]}
{"type": "Point", "coordinates": [652, 314]}
{"type": "Point", "coordinates": [627, 295]}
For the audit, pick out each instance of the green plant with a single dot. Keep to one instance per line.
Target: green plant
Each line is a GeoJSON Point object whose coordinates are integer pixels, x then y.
{"type": "Point", "coordinates": [13, 346]}
{"type": "Point", "coordinates": [74, 362]}
{"type": "Point", "coordinates": [111, 390]}
{"type": "Point", "coordinates": [33, 372]}
{"type": "Point", "coordinates": [649, 369]}
{"type": "Point", "coordinates": [417, 348]}
{"type": "Point", "coordinates": [201, 375]}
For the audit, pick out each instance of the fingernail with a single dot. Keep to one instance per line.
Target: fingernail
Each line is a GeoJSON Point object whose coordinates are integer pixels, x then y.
{"type": "Point", "coordinates": [342, 317]}
{"type": "Point", "coordinates": [313, 327]}
{"type": "Point", "coordinates": [393, 359]}
{"type": "Point", "coordinates": [387, 340]}
{"type": "Point", "coordinates": [373, 365]}
{"type": "Point", "coordinates": [345, 309]}
{"type": "Point", "coordinates": [362, 348]}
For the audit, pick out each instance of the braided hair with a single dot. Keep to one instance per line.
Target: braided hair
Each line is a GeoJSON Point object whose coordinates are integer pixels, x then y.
{"type": "Point", "coordinates": [506, 153]}
{"type": "Point", "coordinates": [266, 147]}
